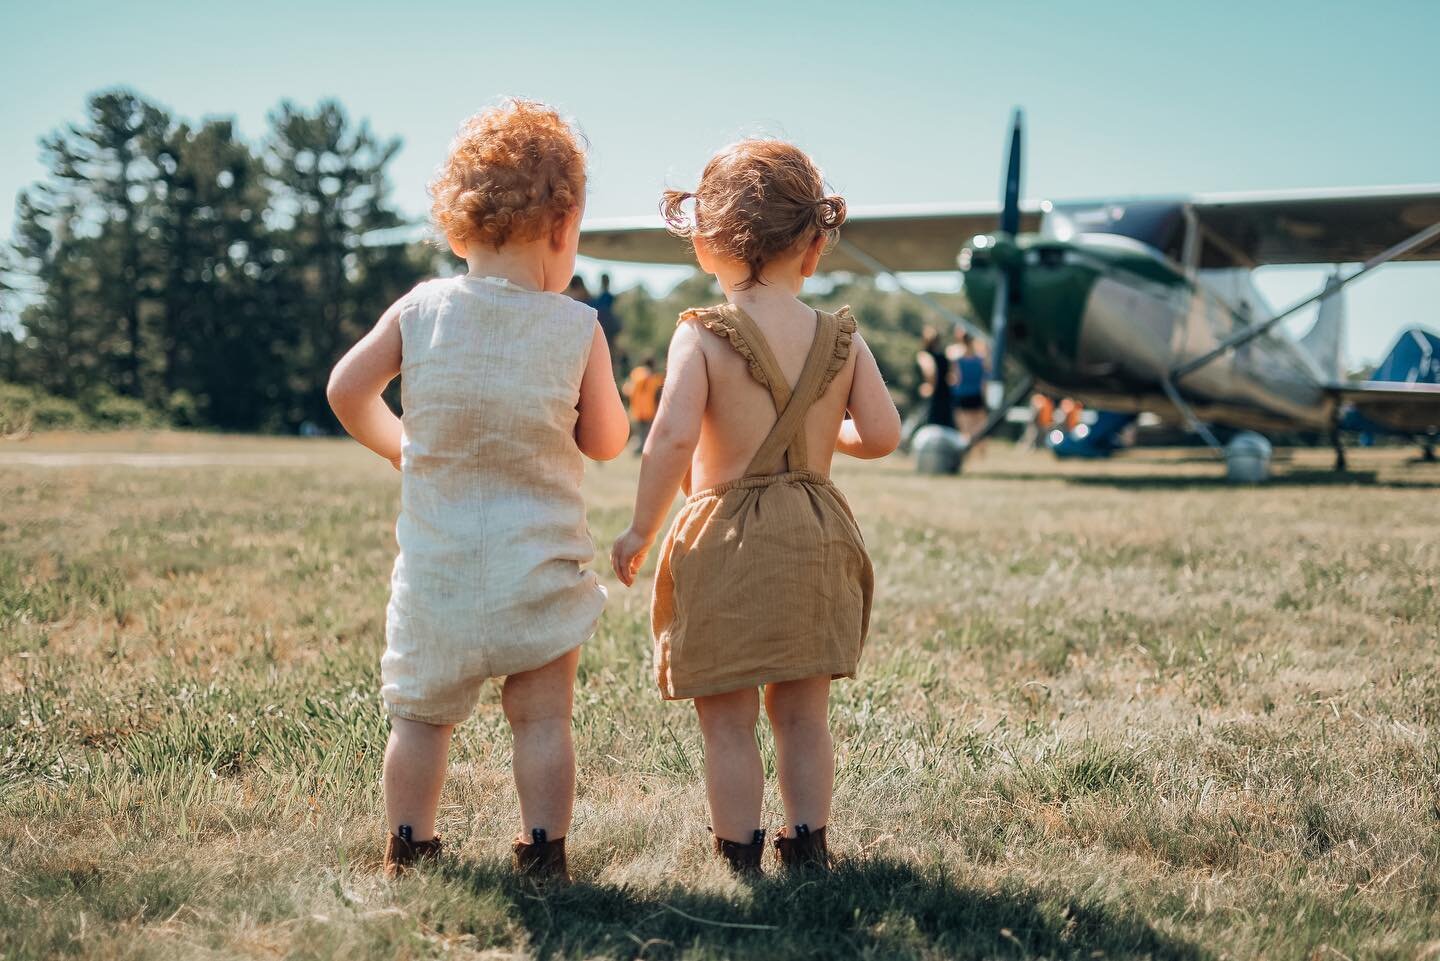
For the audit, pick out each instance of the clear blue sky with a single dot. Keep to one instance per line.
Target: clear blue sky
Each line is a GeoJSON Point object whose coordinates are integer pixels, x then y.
{"type": "Point", "coordinates": [900, 101]}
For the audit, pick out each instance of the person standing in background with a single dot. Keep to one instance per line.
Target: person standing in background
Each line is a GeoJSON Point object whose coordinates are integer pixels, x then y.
{"type": "Point", "coordinates": [1042, 415]}
{"type": "Point", "coordinates": [576, 290]}
{"type": "Point", "coordinates": [1071, 413]}
{"type": "Point", "coordinates": [970, 376]}
{"type": "Point", "coordinates": [642, 390]}
{"type": "Point", "coordinates": [935, 386]}
{"type": "Point", "coordinates": [604, 304]}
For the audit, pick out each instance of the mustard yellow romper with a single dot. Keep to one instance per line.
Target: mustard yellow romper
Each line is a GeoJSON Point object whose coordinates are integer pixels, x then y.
{"type": "Point", "coordinates": [765, 578]}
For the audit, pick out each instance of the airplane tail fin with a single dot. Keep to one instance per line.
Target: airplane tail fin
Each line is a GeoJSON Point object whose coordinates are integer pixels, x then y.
{"type": "Point", "coordinates": [1326, 338]}
{"type": "Point", "coordinates": [1415, 359]}
{"type": "Point", "coordinates": [1402, 396]}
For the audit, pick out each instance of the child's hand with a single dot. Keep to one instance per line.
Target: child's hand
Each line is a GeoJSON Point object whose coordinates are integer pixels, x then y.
{"type": "Point", "coordinates": [395, 462]}
{"type": "Point", "coordinates": [628, 555]}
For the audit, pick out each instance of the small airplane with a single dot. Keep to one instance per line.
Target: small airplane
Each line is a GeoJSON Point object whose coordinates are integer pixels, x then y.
{"type": "Point", "coordinates": [1149, 304]}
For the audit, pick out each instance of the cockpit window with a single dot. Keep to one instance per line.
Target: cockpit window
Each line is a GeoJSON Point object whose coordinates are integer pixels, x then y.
{"type": "Point", "coordinates": [1158, 225]}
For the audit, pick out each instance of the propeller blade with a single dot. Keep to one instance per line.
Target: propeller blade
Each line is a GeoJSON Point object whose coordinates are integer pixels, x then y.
{"type": "Point", "coordinates": [1007, 286]}
{"type": "Point", "coordinates": [1010, 207]}
{"type": "Point", "coordinates": [999, 318]}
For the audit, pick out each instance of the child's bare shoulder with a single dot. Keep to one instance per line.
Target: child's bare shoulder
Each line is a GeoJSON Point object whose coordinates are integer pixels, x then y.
{"type": "Point", "coordinates": [713, 333]}
{"type": "Point", "coordinates": [705, 328]}
{"type": "Point", "coordinates": [704, 319]}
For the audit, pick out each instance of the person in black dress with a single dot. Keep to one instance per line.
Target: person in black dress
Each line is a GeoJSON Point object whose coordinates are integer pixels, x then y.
{"type": "Point", "coordinates": [937, 381]}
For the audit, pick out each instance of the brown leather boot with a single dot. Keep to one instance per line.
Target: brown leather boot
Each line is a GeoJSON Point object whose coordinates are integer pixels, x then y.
{"type": "Point", "coordinates": [743, 859]}
{"type": "Point", "coordinates": [541, 860]}
{"type": "Point", "coordinates": [401, 852]}
{"type": "Point", "coordinates": [805, 851]}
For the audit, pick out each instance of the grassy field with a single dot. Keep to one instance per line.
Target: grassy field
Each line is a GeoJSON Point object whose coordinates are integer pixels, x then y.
{"type": "Point", "coordinates": [1107, 710]}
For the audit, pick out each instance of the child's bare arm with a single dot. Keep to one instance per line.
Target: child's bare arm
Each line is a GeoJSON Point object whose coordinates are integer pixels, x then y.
{"type": "Point", "coordinates": [873, 428]}
{"type": "Point", "coordinates": [357, 382]}
{"type": "Point", "coordinates": [603, 428]}
{"type": "Point", "coordinates": [668, 450]}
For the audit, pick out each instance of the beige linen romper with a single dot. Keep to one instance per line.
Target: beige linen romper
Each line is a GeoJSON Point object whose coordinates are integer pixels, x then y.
{"type": "Point", "coordinates": [489, 579]}
{"type": "Point", "coordinates": [765, 578]}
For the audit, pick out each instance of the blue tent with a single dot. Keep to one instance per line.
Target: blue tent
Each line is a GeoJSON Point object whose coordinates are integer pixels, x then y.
{"type": "Point", "coordinates": [1415, 359]}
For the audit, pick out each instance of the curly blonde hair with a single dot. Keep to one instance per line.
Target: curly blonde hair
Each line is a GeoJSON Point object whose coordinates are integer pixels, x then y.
{"type": "Point", "coordinates": [512, 171]}
{"type": "Point", "coordinates": [757, 200]}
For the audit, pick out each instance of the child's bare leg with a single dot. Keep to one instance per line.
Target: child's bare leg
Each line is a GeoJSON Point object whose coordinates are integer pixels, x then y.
{"type": "Point", "coordinates": [414, 774]}
{"type": "Point", "coordinates": [537, 704]}
{"type": "Point", "coordinates": [734, 776]}
{"type": "Point", "coordinates": [804, 755]}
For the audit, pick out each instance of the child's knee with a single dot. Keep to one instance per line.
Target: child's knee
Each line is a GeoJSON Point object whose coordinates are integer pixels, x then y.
{"type": "Point", "coordinates": [788, 721]}
{"type": "Point", "coordinates": [534, 705]}
{"type": "Point", "coordinates": [544, 695]}
{"type": "Point", "coordinates": [728, 715]}
{"type": "Point", "coordinates": [532, 714]}
{"type": "Point", "coordinates": [796, 711]}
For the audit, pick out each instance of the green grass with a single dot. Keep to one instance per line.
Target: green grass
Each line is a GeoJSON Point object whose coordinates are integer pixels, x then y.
{"type": "Point", "coordinates": [1106, 710]}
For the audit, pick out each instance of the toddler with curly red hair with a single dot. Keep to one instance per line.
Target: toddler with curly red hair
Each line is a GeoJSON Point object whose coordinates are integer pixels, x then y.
{"type": "Point", "coordinates": [506, 386]}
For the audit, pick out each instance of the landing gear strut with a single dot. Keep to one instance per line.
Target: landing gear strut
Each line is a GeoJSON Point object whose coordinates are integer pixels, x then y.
{"type": "Point", "coordinates": [1427, 453]}
{"type": "Point", "coordinates": [1339, 446]}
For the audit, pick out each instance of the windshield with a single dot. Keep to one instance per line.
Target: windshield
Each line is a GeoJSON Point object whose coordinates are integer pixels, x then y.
{"type": "Point", "coordinates": [1160, 225]}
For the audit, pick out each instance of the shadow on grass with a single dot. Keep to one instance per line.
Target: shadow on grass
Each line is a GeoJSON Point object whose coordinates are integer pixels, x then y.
{"type": "Point", "coordinates": [873, 908]}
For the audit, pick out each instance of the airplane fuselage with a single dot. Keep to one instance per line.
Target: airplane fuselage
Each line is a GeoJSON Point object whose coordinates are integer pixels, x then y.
{"type": "Point", "coordinates": [1104, 318]}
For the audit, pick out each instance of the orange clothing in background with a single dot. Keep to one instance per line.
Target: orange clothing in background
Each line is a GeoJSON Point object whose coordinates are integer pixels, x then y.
{"type": "Point", "coordinates": [643, 390]}
{"type": "Point", "coordinates": [1044, 411]}
{"type": "Point", "coordinates": [1071, 409]}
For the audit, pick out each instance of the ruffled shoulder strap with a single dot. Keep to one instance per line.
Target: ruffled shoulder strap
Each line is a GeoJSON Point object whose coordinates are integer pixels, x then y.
{"type": "Point", "coordinates": [845, 327]}
{"type": "Point", "coordinates": [729, 322]}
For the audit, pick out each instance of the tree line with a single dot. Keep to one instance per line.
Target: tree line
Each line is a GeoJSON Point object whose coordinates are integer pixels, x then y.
{"type": "Point", "coordinates": [210, 279]}
{"type": "Point", "coordinates": [176, 269]}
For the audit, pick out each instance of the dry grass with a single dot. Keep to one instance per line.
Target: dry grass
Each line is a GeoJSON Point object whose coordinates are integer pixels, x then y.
{"type": "Point", "coordinates": [1112, 710]}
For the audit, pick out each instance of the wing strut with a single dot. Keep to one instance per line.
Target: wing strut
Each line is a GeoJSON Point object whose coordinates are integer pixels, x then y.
{"type": "Point", "coordinates": [877, 268]}
{"type": "Point", "coordinates": [1247, 334]}
{"type": "Point", "coordinates": [1193, 422]}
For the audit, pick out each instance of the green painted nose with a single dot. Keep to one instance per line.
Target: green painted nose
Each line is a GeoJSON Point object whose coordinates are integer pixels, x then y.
{"type": "Point", "coordinates": [998, 250]}
{"type": "Point", "coordinates": [1047, 303]}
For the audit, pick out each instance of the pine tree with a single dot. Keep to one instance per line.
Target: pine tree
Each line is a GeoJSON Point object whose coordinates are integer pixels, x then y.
{"type": "Point", "coordinates": [62, 351]}
{"type": "Point", "coordinates": [102, 173]}
{"type": "Point", "coordinates": [216, 341]}
{"type": "Point", "coordinates": [328, 177]}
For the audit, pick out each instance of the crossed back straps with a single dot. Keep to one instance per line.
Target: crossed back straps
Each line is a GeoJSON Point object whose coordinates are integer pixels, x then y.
{"type": "Point", "coordinates": [828, 351]}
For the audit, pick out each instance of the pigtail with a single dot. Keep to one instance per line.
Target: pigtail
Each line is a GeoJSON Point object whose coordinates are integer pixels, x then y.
{"type": "Point", "coordinates": [830, 212]}
{"type": "Point", "coordinates": [829, 215]}
{"type": "Point", "coordinates": [672, 211]}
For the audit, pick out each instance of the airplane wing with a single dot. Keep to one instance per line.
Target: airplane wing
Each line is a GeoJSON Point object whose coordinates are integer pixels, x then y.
{"type": "Point", "coordinates": [641, 240]}
{"type": "Point", "coordinates": [902, 238]}
{"type": "Point", "coordinates": [1403, 408]}
{"type": "Point", "coordinates": [1314, 227]}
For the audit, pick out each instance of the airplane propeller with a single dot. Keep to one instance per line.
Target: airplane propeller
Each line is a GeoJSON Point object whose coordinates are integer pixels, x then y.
{"type": "Point", "coordinates": [1005, 254]}
{"type": "Point", "coordinates": [1007, 287]}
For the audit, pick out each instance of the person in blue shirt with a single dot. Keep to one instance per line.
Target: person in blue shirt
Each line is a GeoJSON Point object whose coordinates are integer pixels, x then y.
{"type": "Point", "coordinates": [604, 304]}
{"type": "Point", "coordinates": [970, 376]}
